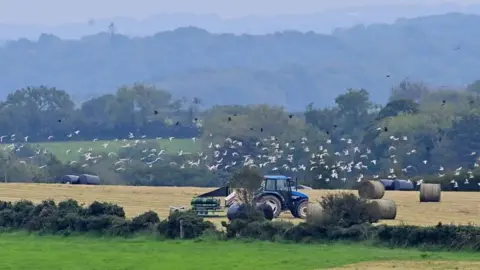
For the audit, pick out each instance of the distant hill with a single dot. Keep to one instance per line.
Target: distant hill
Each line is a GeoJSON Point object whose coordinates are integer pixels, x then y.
{"type": "Point", "coordinates": [320, 22]}
{"type": "Point", "coordinates": [287, 68]}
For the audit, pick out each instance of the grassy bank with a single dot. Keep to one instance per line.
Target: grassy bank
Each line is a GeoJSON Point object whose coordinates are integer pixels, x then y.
{"type": "Point", "coordinates": [22, 251]}
{"type": "Point", "coordinates": [77, 148]}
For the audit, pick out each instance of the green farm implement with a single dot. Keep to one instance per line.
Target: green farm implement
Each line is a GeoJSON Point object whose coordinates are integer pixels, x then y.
{"type": "Point", "coordinates": [207, 204]}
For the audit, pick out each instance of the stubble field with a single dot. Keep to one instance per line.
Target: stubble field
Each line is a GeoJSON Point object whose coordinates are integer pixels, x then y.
{"type": "Point", "coordinates": [455, 207]}
{"type": "Point", "coordinates": [44, 252]}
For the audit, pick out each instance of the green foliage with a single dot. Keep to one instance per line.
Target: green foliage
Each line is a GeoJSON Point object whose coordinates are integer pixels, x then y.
{"type": "Point", "coordinates": [144, 220]}
{"type": "Point", "coordinates": [68, 217]}
{"type": "Point", "coordinates": [345, 210]}
{"type": "Point", "coordinates": [446, 236]}
{"type": "Point", "coordinates": [246, 214]}
{"type": "Point", "coordinates": [117, 253]}
{"type": "Point", "coordinates": [59, 149]}
{"type": "Point", "coordinates": [408, 90]}
{"type": "Point", "coordinates": [261, 230]}
{"type": "Point", "coordinates": [104, 208]}
{"type": "Point", "coordinates": [398, 106]}
{"type": "Point", "coordinates": [193, 225]}
{"type": "Point", "coordinates": [246, 182]}
{"type": "Point", "coordinates": [440, 125]}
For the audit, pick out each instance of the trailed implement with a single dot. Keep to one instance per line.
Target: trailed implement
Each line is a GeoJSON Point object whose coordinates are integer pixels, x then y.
{"type": "Point", "coordinates": [207, 204]}
{"type": "Point", "coordinates": [206, 207]}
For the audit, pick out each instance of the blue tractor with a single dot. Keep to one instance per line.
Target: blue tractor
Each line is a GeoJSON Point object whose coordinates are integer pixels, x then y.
{"type": "Point", "coordinates": [280, 193]}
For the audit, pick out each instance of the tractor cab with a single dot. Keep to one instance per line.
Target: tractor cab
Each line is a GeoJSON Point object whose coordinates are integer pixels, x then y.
{"type": "Point", "coordinates": [280, 193]}
{"type": "Point", "coordinates": [278, 183]}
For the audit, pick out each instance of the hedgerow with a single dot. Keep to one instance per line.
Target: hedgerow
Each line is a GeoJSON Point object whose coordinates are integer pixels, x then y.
{"type": "Point", "coordinates": [106, 219]}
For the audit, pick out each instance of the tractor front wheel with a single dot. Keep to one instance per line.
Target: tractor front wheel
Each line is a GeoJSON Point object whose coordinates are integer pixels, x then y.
{"type": "Point", "coordinates": [301, 211]}
{"type": "Point", "coordinates": [273, 202]}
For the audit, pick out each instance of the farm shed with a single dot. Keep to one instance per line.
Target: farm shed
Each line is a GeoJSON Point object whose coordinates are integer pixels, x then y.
{"type": "Point", "coordinates": [69, 179]}
{"type": "Point", "coordinates": [88, 179]}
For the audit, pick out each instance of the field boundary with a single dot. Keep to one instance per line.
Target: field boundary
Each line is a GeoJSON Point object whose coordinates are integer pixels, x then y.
{"type": "Point", "coordinates": [106, 219]}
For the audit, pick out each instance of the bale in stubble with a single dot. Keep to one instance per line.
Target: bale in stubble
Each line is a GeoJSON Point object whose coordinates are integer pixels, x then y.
{"type": "Point", "coordinates": [69, 179]}
{"type": "Point", "coordinates": [88, 179]}
{"type": "Point", "coordinates": [403, 185]}
{"type": "Point", "coordinates": [371, 190]}
{"type": "Point", "coordinates": [315, 213]}
{"type": "Point", "coordinates": [384, 209]}
{"type": "Point", "coordinates": [244, 212]}
{"type": "Point", "coordinates": [387, 183]}
{"type": "Point", "coordinates": [430, 192]}
{"type": "Point", "coordinates": [265, 209]}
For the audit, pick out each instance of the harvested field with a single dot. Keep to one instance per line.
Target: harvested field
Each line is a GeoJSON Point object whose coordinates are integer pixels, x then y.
{"type": "Point", "coordinates": [407, 265]}
{"type": "Point", "coordinates": [455, 207]}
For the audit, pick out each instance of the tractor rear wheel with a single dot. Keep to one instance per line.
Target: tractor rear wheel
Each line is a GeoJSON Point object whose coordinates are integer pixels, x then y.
{"type": "Point", "coordinates": [273, 202]}
{"type": "Point", "coordinates": [301, 211]}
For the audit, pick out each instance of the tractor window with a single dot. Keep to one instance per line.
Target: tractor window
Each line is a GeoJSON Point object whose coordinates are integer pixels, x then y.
{"type": "Point", "coordinates": [270, 184]}
{"type": "Point", "coordinates": [282, 185]}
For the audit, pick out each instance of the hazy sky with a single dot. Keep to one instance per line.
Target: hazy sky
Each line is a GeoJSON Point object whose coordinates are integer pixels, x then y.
{"type": "Point", "coordinates": [62, 11]}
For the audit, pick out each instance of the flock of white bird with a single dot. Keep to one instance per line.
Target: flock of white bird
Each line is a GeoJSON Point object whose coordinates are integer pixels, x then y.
{"type": "Point", "coordinates": [269, 155]}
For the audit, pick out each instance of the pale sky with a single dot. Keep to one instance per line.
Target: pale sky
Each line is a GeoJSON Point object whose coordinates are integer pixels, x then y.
{"type": "Point", "coordinates": [65, 11]}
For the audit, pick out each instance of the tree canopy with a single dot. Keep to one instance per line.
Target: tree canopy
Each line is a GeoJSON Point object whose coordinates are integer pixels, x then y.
{"type": "Point", "coordinates": [431, 136]}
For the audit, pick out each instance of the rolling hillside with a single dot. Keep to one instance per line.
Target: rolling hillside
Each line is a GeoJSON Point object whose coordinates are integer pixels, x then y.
{"type": "Point", "coordinates": [285, 68]}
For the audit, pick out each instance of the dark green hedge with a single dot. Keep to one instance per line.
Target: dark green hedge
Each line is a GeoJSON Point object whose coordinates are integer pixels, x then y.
{"type": "Point", "coordinates": [98, 218]}
{"type": "Point", "coordinates": [107, 219]}
{"type": "Point", "coordinates": [441, 236]}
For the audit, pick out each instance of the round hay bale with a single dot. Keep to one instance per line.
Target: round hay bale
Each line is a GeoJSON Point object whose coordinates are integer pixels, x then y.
{"type": "Point", "coordinates": [403, 185]}
{"type": "Point", "coordinates": [384, 209]}
{"type": "Point", "coordinates": [430, 192]}
{"type": "Point", "coordinates": [234, 211]}
{"type": "Point", "coordinates": [239, 211]}
{"type": "Point", "coordinates": [69, 179]}
{"type": "Point", "coordinates": [266, 210]}
{"type": "Point", "coordinates": [371, 190]}
{"type": "Point", "coordinates": [387, 183]}
{"type": "Point", "coordinates": [88, 179]}
{"type": "Point", "coordinates": [315, 213]}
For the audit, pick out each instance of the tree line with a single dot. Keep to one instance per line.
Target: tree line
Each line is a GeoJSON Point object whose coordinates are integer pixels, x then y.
{"type": "Point", "coordinates": [422, 133]}
{"type": "Point", "coordinates": [43, 113]}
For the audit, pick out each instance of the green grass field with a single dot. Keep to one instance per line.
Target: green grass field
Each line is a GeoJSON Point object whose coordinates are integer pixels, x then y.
{"type": "Point", "coordinates": [59, 149]}
{"type": "Point", "coordinates": [22, 251]}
